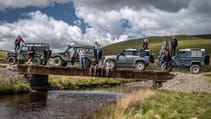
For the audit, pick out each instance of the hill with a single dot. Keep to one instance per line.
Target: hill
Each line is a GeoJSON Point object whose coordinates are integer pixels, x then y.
{"type": "Point", "coordinates": [155, 43]}
{"type": "Point", "coordinates": [184, 41]}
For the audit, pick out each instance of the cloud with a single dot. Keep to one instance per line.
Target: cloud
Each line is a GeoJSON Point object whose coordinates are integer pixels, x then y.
{"type": "Point", "coordinates": [40, 28]}
{"type": "Point", "coordinates": [44, 29]}
{"type": "Point", "coordinates": [5, 4]}
{"type": "Point", "coordinates": [108, 21]}
{"type": "Point", "coordinates": [147, 17]}
{"type": "Point", "coordinates": [168, 5]}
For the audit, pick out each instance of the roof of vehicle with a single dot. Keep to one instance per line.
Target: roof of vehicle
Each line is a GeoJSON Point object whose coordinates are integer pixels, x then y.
{"type": "Point", "coordinates": [36, 45]}
{"type": "Point", "coordinates": [80, 46]}
{"type": "Point", "coordinates": [134, 49]}
{"type": "Point", "coordinates": [192, 49]}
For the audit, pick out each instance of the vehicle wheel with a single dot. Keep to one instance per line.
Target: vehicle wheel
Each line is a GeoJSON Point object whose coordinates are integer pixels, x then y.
{"type": "Point", "coordinates": [140, 66]}
{"type": "Point", "coordinates": [195, 69]}
{"type": "Point", "coordinates": [11, 60]}
{"type": "Point", "coordinates": [36, 60]}
{"type": "Point", "coordinates": [166, 67]}
{"type": "Point", "coordinates": [57, 61]}
{"type": "Point", "coordinates": [111, 63]}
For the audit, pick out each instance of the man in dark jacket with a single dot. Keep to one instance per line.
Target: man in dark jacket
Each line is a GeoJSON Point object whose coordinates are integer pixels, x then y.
{"type": "Point", "coordinates": [174, 45]}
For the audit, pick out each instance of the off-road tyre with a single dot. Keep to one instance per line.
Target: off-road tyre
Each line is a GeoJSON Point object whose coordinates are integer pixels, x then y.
{"type": "Point", "coordinates": [140, 66]}
{"type": "Point", "coordinates": [11, 60]}
{"type": "Point", "coordinates": [195, 68]}
{"type": "Point", "coordinates": [36, 60]}
{"type": "Point", "coordinates": [57, 61]}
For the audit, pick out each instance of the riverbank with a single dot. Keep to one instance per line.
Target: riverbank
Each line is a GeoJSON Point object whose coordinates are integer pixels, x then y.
{"type": "Point", "coordinates": [186, 82]}
{"type": "Point", "coordinates": [12, 83]}
{"type": "Point", "coordinates": [78, 82]}
{"type": "Point", "coordinates": [158, 105]}
{"type": "Point", "coordinates": [186, 96]}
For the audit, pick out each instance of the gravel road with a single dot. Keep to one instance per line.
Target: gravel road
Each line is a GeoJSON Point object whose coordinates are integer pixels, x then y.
{"type": "Point", "coordinates": [185, 82]}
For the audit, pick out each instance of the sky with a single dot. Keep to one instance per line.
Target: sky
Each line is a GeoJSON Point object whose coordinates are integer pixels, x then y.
{"type": "Point", "coordinates": [67, 22]}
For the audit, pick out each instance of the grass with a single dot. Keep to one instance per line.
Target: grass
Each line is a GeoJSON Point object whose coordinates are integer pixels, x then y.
{"type": "Point", "coordinates": [184, 41]}
{"type": "Point", "coordinates": [77, 82]}
{"type": "Point", "coordinates": [3, 54]}
{"type": "Point", "coordinates": [149, 104]}
{"type": "Point", "coordinates": [2, 65]}
{"type": "Point", "coordinates": [13, 86]}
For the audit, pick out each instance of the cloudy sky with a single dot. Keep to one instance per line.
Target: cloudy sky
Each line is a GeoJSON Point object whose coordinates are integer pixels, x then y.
{"type": "Point", "coordinates": [63, 22]}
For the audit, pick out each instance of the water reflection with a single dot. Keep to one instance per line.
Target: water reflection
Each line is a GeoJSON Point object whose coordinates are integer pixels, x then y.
{"type": "Point", "coordinates": [61, 104]}
{"type": "Point", "coordinates": [54, 104]}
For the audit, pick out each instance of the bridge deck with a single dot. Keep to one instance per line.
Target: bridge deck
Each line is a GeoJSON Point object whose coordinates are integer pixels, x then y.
{"type": "Point", "coordinates": [44, 70]}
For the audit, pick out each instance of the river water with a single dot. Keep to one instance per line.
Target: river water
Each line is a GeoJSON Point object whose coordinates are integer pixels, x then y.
{"type": "Point", "coordinates": [62, 104]}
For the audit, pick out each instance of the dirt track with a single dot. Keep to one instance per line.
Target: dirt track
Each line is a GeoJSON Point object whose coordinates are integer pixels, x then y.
{"type": "Point", "coordinates": [185, 82]}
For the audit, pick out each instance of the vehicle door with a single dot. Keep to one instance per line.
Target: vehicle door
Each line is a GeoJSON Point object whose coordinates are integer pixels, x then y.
{"type": "Point", "coordinates": [67, 53]}
{"type": "Point", "coordinates": [23, 54]}
{"type": "Point", "coordinates": [182, 58]}
{"type": "Point", "coordinates": [124, 58]}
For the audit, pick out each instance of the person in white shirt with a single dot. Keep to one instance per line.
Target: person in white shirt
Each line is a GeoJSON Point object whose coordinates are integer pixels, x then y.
{"type": "Point", "coordinates": [82, 58]}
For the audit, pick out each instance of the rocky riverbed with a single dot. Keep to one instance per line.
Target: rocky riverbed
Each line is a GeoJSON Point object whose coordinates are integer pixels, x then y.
{"type": "Point", "coordinates": [186, 82]}
{"type": "Point", "coordinates": [9, 73]}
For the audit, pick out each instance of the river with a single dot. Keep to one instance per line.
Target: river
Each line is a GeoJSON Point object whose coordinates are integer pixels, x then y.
{"type": "Point", "coordinates": [65, 104]}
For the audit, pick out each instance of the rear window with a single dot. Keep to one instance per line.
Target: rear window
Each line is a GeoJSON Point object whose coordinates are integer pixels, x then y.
{"type": "Point", "coordinates": [196, 53]}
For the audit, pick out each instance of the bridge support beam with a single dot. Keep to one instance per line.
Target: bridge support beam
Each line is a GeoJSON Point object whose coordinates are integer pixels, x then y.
{"type": "Point", "coordinates": [39, 82]}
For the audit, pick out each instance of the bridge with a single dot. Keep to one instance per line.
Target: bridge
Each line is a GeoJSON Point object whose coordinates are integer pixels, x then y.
{"type": "Point", "coordinates": [39, 74]}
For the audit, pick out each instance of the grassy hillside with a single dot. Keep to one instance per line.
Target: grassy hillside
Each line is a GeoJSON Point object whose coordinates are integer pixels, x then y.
{"type": "Point", "coordinates": [184, 41]}
{"type": "Point", "coordinates": [3, 54]}
{"type": "Point", "coordinates": [155, 43]}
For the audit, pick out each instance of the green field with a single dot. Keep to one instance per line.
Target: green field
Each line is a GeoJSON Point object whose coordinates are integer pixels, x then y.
{"type": "Point", "coordinates": [149, 104]}
{"type": "Point", "coordinates": [184, 41]}
{"type": "Point", "coordinates": [3, 54]}
{"type": "Point", "coordinates": [78, 82]}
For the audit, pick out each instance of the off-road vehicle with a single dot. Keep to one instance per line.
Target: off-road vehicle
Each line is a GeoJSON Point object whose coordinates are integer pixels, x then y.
{"type": "Point", "coordinates": [22, 55]}
{"type": "Point", "coordinates": [193, 58]}
{"type": "Point", "coordinates": [137, 58]}
{"type": "Point", "coordinates": [62, 59]}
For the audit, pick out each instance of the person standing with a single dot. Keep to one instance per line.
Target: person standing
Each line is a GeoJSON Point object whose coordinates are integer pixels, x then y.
{"type": "Point", "coordinates": [73, 56]}
{"type": "Point", "coordinates": [174, 45]}
{"type": "Point", "coordinates": [145, 44]}
{"type": "Point", "coordinates": [47, 55]}
{"type": "Point", "coordinates": [98, 50]}
{"type": "Point", "coordinates": [82, 58]}
{"type": "Point", "coordinates": [18, 41]}
{"type": "Point", "coordinates": [165, 44]}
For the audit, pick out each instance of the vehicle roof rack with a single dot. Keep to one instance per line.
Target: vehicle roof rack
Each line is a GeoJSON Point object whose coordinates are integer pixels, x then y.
{"type": "Point", "coordinates": [80, 46]}
{"type": "Point", "coordinates": [37, 44]}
